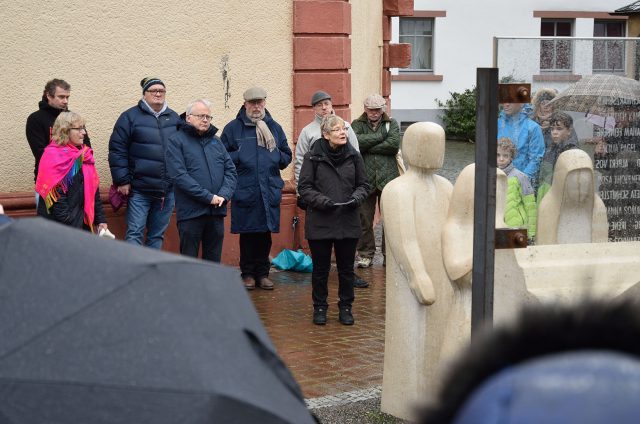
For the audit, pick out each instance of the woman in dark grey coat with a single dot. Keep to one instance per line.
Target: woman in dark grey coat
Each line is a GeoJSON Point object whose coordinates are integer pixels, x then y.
{"type": "Point", "coordinates": [333, 184]}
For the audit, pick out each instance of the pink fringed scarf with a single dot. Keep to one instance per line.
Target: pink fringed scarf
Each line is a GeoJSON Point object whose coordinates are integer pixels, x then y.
{"type": "Point", "coordinates": [58, 166]}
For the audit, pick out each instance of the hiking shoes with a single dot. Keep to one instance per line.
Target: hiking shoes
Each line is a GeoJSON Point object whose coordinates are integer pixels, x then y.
{"type": "Point", "coordinates": [319, 316]}
{"type": "Point", "coordinates": [345, 316]}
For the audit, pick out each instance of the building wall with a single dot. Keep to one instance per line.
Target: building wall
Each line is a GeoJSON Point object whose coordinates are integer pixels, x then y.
{"type": "Point", "coordinates": [103, 49]}
{"type": "Point", "coordinates": [463, 42]}
{"type": "Point", "coordinates": [366, 44]}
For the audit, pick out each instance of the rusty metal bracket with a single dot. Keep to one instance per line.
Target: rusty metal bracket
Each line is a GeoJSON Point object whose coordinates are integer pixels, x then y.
{"type": "Point", "coordinates": [514, 93]}
{"type": "Point", "coordinates": [511, 238]}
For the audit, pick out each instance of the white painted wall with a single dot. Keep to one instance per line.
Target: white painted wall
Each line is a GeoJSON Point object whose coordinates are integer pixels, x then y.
{"type": "Point", "coordinates": [463, 41]}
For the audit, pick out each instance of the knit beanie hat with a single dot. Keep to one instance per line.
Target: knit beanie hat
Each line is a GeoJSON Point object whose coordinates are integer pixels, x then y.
{"type": "Point", "coordinates": [148, 82]}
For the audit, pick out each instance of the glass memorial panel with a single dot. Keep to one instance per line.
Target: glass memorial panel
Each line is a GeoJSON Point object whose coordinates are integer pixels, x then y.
{"type": "Point", "coordinates": [593, 81]}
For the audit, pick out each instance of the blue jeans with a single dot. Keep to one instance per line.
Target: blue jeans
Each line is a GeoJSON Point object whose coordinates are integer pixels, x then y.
{"type": "Point", "coordinates": [151, 212]}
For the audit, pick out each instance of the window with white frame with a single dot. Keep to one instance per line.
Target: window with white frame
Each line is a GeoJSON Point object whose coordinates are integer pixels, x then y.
{"type": "Point", "coordinates": [608, 56]}
{"type": "Point", "coordinates": [419, 33]}
{"type": "Point", "coordinates": [556, 55]}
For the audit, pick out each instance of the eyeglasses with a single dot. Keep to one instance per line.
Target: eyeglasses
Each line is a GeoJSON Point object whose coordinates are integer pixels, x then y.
{"type": "Point", "coordinates": [157, 92]}
{"type": "Point", "coordinates": [79, 129]}
{"type": "Point", "coordinates": [203, 117]}
{"type": "Point", "coordinates": [342, 129]}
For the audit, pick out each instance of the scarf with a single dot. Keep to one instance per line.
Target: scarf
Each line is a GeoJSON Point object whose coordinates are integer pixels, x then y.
{"type": "Point", "coordinates": [263, 133]}
{"type": "Point", "coordinates": [337, 156]}
{"type": "Point", "coordinates": [58, 166]}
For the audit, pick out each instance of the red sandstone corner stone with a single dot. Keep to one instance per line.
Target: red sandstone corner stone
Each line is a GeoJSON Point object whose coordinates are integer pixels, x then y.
{"type": "Point", "coordinates": [386, 28]}
{"type": "Point", "coordinates": [343, 112]}
{"type": "Point", "coordinates": [338, 84]}
{"type": "Point", "coordinates": [301, 117]}
{"type": "Point", "coordinates": [321, 17]}
{"type": "Point", "coordinates": [399, 55]}
{"type": "Point", "coordinates": [313, 53]}
{"type": "Point", "coordinates": [386, 84]}
{"type": "Point", "coordinates": [397, 7]}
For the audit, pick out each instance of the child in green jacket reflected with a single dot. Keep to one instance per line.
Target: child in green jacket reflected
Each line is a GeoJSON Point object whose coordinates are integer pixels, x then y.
{"type": "Point", "coordinates": [521, 209]}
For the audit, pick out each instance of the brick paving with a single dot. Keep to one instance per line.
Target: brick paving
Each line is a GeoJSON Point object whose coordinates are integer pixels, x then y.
{"type": "Point", "coordinates": [333, 359]}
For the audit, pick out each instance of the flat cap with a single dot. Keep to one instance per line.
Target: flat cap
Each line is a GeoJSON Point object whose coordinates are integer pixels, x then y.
{"type": "Point", "coordinates": [375, 101]}
{"type": "Point", "coordinates": [254, 93]}
{"type": "Point", "coordinates": [319, 96]}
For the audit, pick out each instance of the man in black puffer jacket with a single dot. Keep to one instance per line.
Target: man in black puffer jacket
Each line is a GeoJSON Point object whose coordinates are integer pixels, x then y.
{"type": "Point", "coordinates": [137, 160]}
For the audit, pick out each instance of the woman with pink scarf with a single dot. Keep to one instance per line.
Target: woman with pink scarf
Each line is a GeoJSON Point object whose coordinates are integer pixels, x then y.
{"type": "Point", "coordinates": [67, 181]}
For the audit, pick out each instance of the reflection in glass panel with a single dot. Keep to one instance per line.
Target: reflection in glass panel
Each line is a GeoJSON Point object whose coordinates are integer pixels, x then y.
{"type": "Point", "coordinates": [563, 55]}
{"type": "Point", "coordinates": [599, 55]}
{"type": "Point", "coordinates": [605, 127]}
{"type": "Point", "coordinates": [546, 54]}
{"type": "Point", "coordinates": [608, 56]}
{"type": "Point", "coordinates": [547, 29]}
{"type": "Point", "coordinates": [555, 55]}
{"type": "Point", "coordinates": [563, 29]}
{"type": "Point", "coordinates": [615, 29]}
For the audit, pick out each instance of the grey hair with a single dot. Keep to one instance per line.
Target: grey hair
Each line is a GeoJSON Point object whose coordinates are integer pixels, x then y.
{"type": "Point", "coordinates": [328, 122]}
{"type": "Point", "coordinates": [192, 104]}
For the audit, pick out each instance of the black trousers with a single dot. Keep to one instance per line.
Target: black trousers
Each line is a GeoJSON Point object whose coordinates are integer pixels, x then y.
{"type": "Point", "coordinates": [254, 254]}
{"type": "Point", "coordinates": [206, 229]}
{"type": "Point", "coordinates": [345, 250]}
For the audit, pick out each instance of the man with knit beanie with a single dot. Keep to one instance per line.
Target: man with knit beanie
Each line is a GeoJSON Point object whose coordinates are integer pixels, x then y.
{"type": "Point", "coordinates": [137, 161]}
{"type": "Point", "coordinates": [322, 106]}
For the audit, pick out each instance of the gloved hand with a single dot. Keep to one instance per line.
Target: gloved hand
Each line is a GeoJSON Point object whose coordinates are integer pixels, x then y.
{"type": "Point", "coordinates": [351, 204]}
{"type": "Point", "coordinates": [301, 203]}
{"type": "Point", "coordinates": [328, 204]}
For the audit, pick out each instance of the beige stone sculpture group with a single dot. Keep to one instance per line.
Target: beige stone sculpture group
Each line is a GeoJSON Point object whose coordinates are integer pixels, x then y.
{"type": "Point", "coordinates": [429, 239]}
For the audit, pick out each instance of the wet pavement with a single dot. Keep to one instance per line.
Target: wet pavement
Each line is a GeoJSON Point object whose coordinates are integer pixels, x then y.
{"type": "Point", "coordinates": [338, 367]}
{"type": "Point", "coordinates": [458, 154]}
{"type": "Point", "coordinates": [331, 359]}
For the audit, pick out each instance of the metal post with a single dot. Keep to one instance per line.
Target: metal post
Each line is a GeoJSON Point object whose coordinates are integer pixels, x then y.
{"type": "Point", "coordinates": [484, 199]}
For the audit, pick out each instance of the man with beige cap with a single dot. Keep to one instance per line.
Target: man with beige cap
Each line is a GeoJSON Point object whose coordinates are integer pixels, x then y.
{"type": "Point", "coordinates": [258, 147]}
{"type": "Point", "coordinates": [379, 139]}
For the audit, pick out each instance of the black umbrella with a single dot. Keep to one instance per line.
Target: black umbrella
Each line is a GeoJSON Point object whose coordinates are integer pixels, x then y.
{"type": "Point", "coordinates": [99, 331]}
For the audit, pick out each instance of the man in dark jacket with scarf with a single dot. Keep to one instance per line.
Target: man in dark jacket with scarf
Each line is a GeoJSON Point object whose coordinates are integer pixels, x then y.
{"type": "Point", "coordinates": [379, 139]}
{"type": "Point", "coordinates": [258, 147]}
{"type": "Point", "coordinates": [55, 99]}
{"type": "Point", "coordinates": [204, 179]}
{"type": "Point", "coordinates": [137, 160]}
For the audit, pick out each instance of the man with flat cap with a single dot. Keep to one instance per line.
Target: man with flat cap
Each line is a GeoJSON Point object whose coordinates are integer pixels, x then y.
{"type": "Point", "coordinates": [258, 147]}
{"type": "Point", "coordinates": [379, 137]}
{"type": "Point", "coordinates": [137, 161]}
{"type": "Point", "coordinates": [322, 106]}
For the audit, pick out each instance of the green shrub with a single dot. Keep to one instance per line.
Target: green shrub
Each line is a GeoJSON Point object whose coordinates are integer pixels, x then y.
{"type": "Point", "coordinates": [459, 116]}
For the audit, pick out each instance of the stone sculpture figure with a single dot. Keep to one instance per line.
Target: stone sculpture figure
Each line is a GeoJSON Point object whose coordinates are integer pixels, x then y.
{"type": "Point", "coordinates": [457, 252]}
{"type": "Point", "coordinates": [572, 212]}
{"type": "Point", "coordinates": [419, 293]}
